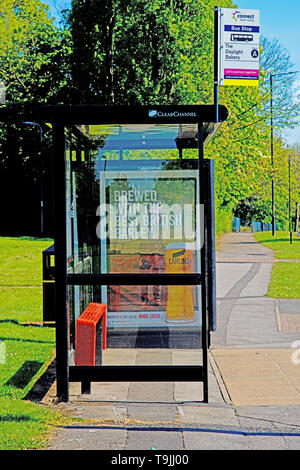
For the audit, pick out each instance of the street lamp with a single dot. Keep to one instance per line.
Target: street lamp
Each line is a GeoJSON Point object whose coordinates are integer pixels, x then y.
{"type": "Point", "coordinates": [290, 225]}
{"type": "Point", "coordinates": [290, 222]}
{"type": "Point", "coordinates": [272, 145]}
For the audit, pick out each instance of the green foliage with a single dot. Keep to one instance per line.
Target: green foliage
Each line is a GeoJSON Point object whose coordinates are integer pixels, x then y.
{"type": "Point", "coordinates": [253, 208]}
{"type": "Point", "coordinates": [32, 53]}
{"type": "Point", "coordinates": [275, 60]}
{"type": "Point", "coordinates": [142, 52]}
{"type": "Point", "coordinates": [223, 221]}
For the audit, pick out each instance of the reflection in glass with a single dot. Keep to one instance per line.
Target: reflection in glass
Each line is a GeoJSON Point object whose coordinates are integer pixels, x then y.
{"type": "Point", "coordinates": [133, 207]}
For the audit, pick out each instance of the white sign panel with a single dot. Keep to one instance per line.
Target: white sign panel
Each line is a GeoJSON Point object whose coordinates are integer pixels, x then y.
{"type": "Point", "coordinates": [238, 47]}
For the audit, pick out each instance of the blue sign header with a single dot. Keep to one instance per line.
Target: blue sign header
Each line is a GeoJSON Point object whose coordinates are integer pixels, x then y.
{"type": "Point", "coordinates": [242, 29]}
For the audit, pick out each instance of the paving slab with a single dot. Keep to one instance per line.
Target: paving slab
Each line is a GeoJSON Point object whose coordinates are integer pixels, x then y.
{"type": "Point", "coordinates": [265, 442]}
{"type": "Point", "coordinates": [88, 437]}
{"type": "Point", "coordinates": [290, 323]}
{"type": "Point", "coordinates": [207, 415]}
{"type": "Point", "coordinates": [259, 377]}
{"type": "Point", "coordinates": [214, 440]}
{"type": "Point", "coordinates": [242, 247]}
{"type": "Point", "coordinates": [156, 414]}
{"type": "Point", "coordinates": [191, 391]}
{"type": "Point", "coordinates": [145, 439]}
{"type": "Point", "coordinates": [291, 306]}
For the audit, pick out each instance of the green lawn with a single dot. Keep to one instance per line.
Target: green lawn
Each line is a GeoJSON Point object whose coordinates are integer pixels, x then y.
{"type": "Point", "coordinates": [285, 279]}
{"type": "Point", "coordinates": [280, 244]}
{"type": "Point", "coordinates": [21, 260]}
{"type": "Point", "coordinates": [21, 304]}
{"type": "Point", "coordinates": [25, 425]}
{"type": "Point", "coordinates": [26, 350]}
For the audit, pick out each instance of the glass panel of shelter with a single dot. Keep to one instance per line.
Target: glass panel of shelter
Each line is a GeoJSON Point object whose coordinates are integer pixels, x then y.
{"type": "Point", "coordinates": [133, 207]}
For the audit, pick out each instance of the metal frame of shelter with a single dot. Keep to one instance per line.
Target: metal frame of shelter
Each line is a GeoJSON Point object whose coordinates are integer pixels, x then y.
{"type": "Point", "coordinates": [204, 116]}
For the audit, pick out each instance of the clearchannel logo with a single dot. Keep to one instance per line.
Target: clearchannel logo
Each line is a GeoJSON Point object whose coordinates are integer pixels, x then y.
{"type": "Point", "coordinates": [154, 113]}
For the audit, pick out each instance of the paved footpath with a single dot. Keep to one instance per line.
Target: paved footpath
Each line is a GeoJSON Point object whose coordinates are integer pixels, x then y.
{"type": "Point", "coordinates": [254, 377]}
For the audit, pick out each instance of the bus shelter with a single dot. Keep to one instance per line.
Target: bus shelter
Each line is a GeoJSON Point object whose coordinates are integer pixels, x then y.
{"type": "Point", "coordinates": [134, 242]}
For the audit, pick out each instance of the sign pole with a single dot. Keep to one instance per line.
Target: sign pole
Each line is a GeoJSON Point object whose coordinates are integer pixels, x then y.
{"type": "Point", "coordinates": [216, 63]}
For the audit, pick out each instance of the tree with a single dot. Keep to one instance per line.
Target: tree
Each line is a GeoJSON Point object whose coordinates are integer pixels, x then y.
{"type": "Point", "coordinates": [275, 60]}
{"type": "Point", "coordinates": [162, 52]}
{"type": "Point", "coordinates": [33, 53]}
{"type": "Point", "coordinates": [253, 208]}
{"type": "Point", "coordinates": [144, 52]}
{"type": "Point", "coordinates": [33, 68]}
{"type": "Point", "coordinates": [122, 51]}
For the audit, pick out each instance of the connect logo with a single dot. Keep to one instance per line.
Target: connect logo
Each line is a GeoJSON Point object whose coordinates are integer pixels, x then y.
{"type": "Point", "coordinates": [152, 113]}
{"type": "Point", "coordinates": [243, 17]}
{"type": "Point", "coordinates": [234, 15]}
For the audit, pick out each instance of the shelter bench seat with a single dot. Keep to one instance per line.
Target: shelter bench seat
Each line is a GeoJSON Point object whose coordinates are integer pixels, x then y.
{"type": "Point", "coordinates": [90, 338]}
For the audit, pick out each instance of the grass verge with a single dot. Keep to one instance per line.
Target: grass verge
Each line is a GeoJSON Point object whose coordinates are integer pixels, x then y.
{"type": "Point", "coordinates": [25, 425]}
{"type": "Point", "coordinates": [21, 260]}
{"type": "Point", "coordinates": [25, 351]}
{"type": "Point", "coordinates": [285, 278]}
{"type": "Point", "coordinates": [285, 281]}
{"type": "Point", "coordinates": [280, 244]}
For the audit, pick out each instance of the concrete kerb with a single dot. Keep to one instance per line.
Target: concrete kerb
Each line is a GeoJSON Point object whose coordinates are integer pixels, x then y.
{"type": "Point", "coordinates": [223, 389]}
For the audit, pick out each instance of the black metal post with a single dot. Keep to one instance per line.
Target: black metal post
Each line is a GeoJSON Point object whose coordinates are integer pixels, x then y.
{"type": "Point", "coordinates": [290, 224]}
{"type": "Point", "coordinates": [216, 62]}
{"type": "Point", "coordinates": [211, 291]}
{"type": "Point", "coordinates": [272, 145]}
{"type": "Point", "coordinates": [42, 203]}
{"type": "Point", "coordinates": [61, 307]}
{"type": "Point", "coordinates": [85, 387]}
{"type": "Point", "coordinates": [272, 156]}
{"type": "Point", "coordinates": [204, 256]}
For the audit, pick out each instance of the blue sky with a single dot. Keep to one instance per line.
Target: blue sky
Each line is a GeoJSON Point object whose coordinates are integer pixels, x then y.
{"type": "Point", "coordinates": [278, 20]}
{"type": "Point", "coordinates": [57, 5]}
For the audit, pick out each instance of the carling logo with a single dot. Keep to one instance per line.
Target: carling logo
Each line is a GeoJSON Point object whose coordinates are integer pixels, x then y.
{"type": "Point", "coordinates": [178, 253]}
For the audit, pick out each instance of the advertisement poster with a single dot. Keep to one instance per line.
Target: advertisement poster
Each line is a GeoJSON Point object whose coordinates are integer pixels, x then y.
{"type": "Point", "coordinates": [149, 225]}
{"type": "Point", "coordinates": [239, 47]}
